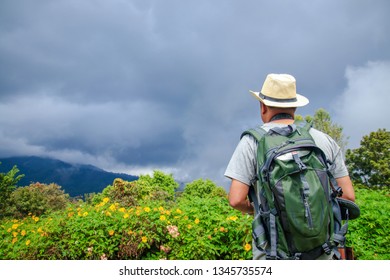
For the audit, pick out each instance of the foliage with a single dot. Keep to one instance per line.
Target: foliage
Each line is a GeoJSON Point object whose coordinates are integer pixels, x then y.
{"type": "Point", "coordinates": [323, 122]}
{"type": "Point", "coordinates": [8, 182]}
{"type": "Point", "coordinates": [198, 228]}
{"type": "Point", "coordinates": [203, 188]}
{"type": "Point", "coordinates": [37, 199]}
{"type": "Point", "coordinates": [369, 164]}
{"type": "Point", "coordinates": [160, 186]}
{"type": "Point", "coordinates": [369, 235]}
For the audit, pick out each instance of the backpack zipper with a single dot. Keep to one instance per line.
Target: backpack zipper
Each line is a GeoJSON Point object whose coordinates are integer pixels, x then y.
{"type": "Point", "coordinates": [308, 215]}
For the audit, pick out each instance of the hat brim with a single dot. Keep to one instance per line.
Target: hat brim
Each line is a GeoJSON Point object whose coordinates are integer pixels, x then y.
{"type": "Point", "coordinates": [300, 102]}
{"type": "Point", "coordinates": [353, 209]}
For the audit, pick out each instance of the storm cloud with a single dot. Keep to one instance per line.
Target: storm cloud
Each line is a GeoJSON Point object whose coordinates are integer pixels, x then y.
{"type": "Point", "coordinates": [133, 86]}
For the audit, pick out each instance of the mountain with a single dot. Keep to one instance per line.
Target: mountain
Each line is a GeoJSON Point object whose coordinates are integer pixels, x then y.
{"type": "Point", "coordinates": [75, 179]}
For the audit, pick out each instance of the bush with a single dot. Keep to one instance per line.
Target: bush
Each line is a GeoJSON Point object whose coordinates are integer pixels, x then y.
{"type": "Point", "coordinates": [158, 187]}
{"type": "Point", "coordinates": [8, 182]}
{"type": "Point", "coordinates": [196, 229]}
{"type": "Point", "coordinates": [369, 235]}
{"type": "Point", "coordinates": [203, 188]}
{"type": "Point", "coordinates": [37, 199]}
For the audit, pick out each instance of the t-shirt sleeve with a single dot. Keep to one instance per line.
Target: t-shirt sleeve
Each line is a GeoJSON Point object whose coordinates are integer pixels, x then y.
{"type": "Point", "coordinates": [332, 152]}
{"type": "Point", "coordinates": [242, 165]}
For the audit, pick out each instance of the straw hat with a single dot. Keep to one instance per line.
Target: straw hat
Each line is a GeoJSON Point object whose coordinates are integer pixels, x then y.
{"type": "Point", "coordinates": [279, 90]}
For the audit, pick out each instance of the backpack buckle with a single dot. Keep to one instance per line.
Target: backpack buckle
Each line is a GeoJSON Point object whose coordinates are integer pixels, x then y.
{"type": "Point", "coordinates": [326, 248]}
{"type": "Point", "coordinates": [297, 256]}
{"type": "Point", "coordinates": [298, 161]}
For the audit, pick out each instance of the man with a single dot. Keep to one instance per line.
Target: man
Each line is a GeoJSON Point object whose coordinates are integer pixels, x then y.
{"type": "Point", "coordinates": [278, 102]}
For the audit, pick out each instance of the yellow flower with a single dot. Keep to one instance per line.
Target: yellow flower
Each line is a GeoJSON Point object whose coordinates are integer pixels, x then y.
{"type": "Point", "coordinates": [40, 230]}
{"type": "Point", "coordinates": [189, 226]}
{"type": "Point", "coordinates": [15, 226]}
{"type": "Point", "coordinates": [85, 214]}
{"type": "Point", "coordinates": [178, 211]}
{"type": "Point", "coordinates": [28, 242]}
{"type": "Point", "coordinates": [111, 232]}
{"type": "Point", "coordinates": [70, 214]}
{"type": "Point", "coordinates": [125, 216]}
{"type": "Point", "coordinates": [247, 247]}
{"type": "Point", "coordinates": [197, 221]}
{"type": "Point", "coordinates": [14, 240]}
{"type": "Point", "coordinates": [108, 213]}
{"type": "Point", "coordinates": [15, 234]}
{"type": "Point", "coordinates": [161, 208]}
{"type": "Point", "coordinates": [122, 209]}
{"type": "Point", "coordinates": [162, 218]}
{"type": "Point", "coordinates": [147, 209]}
{"type": "Point", "coordinates": [144, 239]}
{"type": "Point", "coordinates": [138, 212]}
{"type": "Point", "coordinates": [113, 207]}
{"type": "Point", "coordinates": [36, 219]}
{"type": "Point", "coordinates": [106, 199]}
{"type": "Point", "coordinates": [168, 212]}
{"type": "Point", "coordinates": [233, 218]}
{"type": "Point", "coordinates": [23, 233]}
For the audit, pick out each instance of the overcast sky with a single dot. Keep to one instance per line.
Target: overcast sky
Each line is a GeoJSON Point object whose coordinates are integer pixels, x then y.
{"type": "Point", "coordinates": [133, 86]}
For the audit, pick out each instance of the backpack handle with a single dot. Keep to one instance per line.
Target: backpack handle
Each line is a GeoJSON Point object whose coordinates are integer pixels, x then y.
{"type": "Point", "coordinates": [284, 131]}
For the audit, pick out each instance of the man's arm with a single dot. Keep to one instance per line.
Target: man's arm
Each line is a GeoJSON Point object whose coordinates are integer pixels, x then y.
{"type": "Point", "coordinates": [238, 197]}
{"type": "Point", "coordinates": [346, 185]}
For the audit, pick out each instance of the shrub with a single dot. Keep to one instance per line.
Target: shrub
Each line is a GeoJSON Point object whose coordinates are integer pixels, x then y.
{"type": "Point", "coordinates": [369, 235]}
{"type": "Point", "coordinates": [192, 229]}
{"type": "Point", "coordinates": [37, 199]}
{"type": "Point", "coordinates": [159, 187]}
{"type": "Point", "coordinates": [8, 182]}
{"type": "Point", "coordinates": [203, 188]}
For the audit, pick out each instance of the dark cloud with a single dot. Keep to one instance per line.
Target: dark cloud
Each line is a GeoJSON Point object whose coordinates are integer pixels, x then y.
{"type": "Point", "coordinates": [139, 85]}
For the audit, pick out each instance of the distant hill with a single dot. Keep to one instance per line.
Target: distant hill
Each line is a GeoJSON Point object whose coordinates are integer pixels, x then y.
{"type": "Point", "coordinates": [75, 179]}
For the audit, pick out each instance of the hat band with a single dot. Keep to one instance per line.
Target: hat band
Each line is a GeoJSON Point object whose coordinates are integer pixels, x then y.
{"type": "Point", "coordinates": [277, 99]}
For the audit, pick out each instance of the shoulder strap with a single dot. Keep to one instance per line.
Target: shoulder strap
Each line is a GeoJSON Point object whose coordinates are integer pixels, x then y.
{"type": "Point", "coordinates": [303, 125]}
{"type": "Point", "coordinates": [256, 132]}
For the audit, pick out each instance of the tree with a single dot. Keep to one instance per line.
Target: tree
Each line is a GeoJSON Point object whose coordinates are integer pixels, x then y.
{"type": "Point", "coordinates": [323, 122]}
{"type": "Point", "coordinates": [8, 182]}
{"type": "Point", "coordinates": [37, 199]}
{"type": "Point", "coordinates": [369, 164]}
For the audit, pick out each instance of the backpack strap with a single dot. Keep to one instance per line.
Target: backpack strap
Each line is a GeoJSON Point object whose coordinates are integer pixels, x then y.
{"type": "Point", "coordinates": [256, 132]}
{"type": "Point", "coordinates": [258, 229]}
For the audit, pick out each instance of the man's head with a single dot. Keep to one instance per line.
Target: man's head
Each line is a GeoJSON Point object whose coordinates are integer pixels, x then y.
{"type": "Point", "coordinates": [279, 95]}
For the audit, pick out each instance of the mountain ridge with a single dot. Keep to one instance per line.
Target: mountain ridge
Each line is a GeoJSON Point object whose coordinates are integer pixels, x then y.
{"type": "Point", "coordinates": [75, 179]}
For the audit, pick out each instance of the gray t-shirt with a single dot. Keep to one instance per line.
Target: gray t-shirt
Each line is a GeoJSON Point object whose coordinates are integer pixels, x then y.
{"type": "Point", "coordinates": [242, 165]}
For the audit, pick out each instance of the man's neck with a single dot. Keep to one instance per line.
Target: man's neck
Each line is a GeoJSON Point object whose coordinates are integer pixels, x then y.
{"type": "Point", "coordinates": [282, 118]}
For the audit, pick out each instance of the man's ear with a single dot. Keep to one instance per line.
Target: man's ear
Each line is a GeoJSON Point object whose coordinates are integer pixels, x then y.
{"type": "Point", "coordinates": [263, 109]}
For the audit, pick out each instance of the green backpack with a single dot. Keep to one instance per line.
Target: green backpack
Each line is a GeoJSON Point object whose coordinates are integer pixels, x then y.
{"type": "Point", "coordinates": [297, 215]}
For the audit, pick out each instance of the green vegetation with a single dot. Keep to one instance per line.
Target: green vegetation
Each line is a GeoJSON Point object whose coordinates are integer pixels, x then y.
{"type": "Point", "coordinates": [132, 220]}
{"type": "Point", "coordinates": [369, 235]}
{"type": "Point", "coordinates": [369, 164]}
{"type": "Point", "coordinates": [8, 182]}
